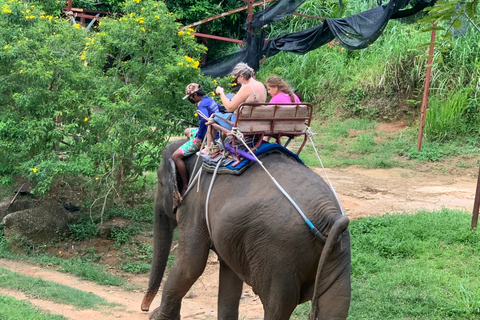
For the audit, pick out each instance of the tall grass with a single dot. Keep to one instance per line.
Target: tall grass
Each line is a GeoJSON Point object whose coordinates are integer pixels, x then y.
{"type": "Point", "coordinates": [447, 118]}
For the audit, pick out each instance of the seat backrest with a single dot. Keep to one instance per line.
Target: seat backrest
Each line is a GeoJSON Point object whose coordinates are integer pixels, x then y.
{"type": "Point", "coordinates": [273, 118]}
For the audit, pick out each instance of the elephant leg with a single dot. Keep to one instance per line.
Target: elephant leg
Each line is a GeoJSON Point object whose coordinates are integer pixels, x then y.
{"type": "Point", "coordinates": [229, 293]}
{"type": "Point", "coordinates": [189, 264]}
{"type": "Point", "coordinates": [280, 299]}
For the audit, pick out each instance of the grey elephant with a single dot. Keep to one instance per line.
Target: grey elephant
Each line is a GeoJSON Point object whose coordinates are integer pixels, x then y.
{"type": "Point", "coordinates": [259, 237]}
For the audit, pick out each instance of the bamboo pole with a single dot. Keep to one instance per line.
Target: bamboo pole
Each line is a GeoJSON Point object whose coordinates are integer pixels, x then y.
{"type": "Point", "coordinates": [426, 88]}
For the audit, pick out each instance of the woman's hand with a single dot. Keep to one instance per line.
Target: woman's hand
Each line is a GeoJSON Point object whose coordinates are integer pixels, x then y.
{"type": "Point", "coordinates": [219, 90]}
{"type": "Point", "coordinates": [198, 142]}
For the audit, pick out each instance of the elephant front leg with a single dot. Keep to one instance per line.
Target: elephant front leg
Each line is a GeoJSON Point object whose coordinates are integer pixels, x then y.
{"type": "Point", "coordinates": [187, 268]}
{"type": "Point", "coordinates": [229, 293]}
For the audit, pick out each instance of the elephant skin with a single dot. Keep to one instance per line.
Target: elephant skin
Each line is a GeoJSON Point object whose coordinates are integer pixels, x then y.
{"type": "Point", "coordinates": [259, 237]}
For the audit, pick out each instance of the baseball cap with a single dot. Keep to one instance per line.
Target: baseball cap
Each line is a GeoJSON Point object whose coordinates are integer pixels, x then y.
{"type": "Point", "coordinates": [191, 88]}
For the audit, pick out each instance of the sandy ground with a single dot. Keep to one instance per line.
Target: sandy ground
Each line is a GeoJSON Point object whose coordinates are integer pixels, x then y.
{"type": "Point", "coordinates": [362, 193]}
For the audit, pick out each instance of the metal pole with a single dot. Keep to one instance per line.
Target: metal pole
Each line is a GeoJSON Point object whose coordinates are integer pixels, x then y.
{"type": "Point", "coordinates": [426, 88]}
{"type": "Point", "coordinates": [476, 204]}
{"type": "Point", "coordinates": [224, 14]}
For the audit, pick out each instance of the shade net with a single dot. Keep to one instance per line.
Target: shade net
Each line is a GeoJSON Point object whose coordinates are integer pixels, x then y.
{"type": "Point", "coordinates": [354, 32]}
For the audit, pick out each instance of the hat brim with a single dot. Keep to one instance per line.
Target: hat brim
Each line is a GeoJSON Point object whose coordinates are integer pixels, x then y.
{"type": "Point", "coordinates": [186, 97]}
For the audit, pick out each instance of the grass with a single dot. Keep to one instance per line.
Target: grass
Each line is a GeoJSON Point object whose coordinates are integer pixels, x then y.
{"type": "Point", "coordinates": [413, 266]}
{"type": "Point", "coordinates": [12, 309]}
{"type": "Point", "coordinates": [358, 142]}
{"type": "Point", "coordinates": [83, 269]}
{"type": "Point", "coordinates": [421, 266]}
{"type": "Point", "coordinates": [48, 290]}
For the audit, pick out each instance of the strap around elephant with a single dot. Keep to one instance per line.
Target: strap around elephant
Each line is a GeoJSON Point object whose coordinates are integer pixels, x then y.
{"type": "Point", "coordinates": [313, 229]}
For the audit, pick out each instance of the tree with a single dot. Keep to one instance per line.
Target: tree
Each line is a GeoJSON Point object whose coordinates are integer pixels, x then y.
{"type": "Point", "coordinates": [96, 105]}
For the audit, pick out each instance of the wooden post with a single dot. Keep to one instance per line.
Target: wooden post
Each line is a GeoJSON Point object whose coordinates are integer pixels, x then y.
{"type": "Point", "coordinates": [426, 88]}
{"type": "Point", "coordinates": [250, 15]}
{"type": "Point", "coordinates": [476, 204]}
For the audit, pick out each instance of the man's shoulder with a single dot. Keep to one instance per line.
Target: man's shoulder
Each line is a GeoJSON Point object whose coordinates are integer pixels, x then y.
{"type": "Point", "coordinates": [205, 102]}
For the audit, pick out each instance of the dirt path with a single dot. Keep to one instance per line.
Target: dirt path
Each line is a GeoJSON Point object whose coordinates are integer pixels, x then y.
{"type": "Point", "coordinates": [362, 193]}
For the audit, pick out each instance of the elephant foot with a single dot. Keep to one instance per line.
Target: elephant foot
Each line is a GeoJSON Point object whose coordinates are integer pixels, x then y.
{"type": "Point", "coordinates": [157, 315]}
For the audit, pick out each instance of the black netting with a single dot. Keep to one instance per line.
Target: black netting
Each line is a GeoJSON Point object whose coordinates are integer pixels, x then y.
{"type": "Point", "coordinates": [274, 12]}
{"type": "Point", "coordinates": [354, 32]}
{"type": "Point", "coordinates": [250, 54]}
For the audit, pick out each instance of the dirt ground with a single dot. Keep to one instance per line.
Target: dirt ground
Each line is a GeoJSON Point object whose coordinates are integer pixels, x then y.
{"type": "Point", "coordinates": [361, 192]}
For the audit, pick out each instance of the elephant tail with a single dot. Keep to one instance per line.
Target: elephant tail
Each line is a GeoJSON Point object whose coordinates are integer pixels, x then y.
{"type": "Point", "coordinates": [335, 232]}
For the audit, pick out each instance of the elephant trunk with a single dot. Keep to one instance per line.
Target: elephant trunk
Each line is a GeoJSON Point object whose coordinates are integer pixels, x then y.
{"type": "Point", "coordinates": [163, 235]}
{"type": "Point", "coordinates": [335, 232]}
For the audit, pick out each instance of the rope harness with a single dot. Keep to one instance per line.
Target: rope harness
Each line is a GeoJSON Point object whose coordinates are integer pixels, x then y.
{"type": "Point", "coordinates": [313, 229]}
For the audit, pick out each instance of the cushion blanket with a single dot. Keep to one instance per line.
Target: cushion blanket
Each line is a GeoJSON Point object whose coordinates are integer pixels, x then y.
{"type": "Point", "coordinates": [228, 166]}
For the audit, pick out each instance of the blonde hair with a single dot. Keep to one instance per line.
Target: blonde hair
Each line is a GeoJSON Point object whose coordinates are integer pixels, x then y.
{"type": "Point", "coordinates": [244, 70]}
{"type": "Point", "coordinates": [282, 85]}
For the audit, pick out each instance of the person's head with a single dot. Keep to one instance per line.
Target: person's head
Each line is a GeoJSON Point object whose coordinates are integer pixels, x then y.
{"type": "Point", "coordinates": [242, 71]}
{"type": "Point", "coordinates": [275, 85]}
{"type": "Point", "coordinates": [194, 93]}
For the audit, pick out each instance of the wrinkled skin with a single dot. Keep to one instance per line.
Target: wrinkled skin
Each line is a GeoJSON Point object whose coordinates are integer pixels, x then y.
{"type": "Point", "coordinates": [259, 237]}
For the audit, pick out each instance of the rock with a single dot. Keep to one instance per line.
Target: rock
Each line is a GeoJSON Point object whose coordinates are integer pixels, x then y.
{"type": "Point", "coordinates": [105, 229]}
{"type": "Point", "coordinates": [4, 209]}
{"type": "Point", "coordinates": [36, 220]}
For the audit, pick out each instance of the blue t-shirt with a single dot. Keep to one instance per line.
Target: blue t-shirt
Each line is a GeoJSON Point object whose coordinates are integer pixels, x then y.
{"type": "Point", "coordinates": [207, 106]}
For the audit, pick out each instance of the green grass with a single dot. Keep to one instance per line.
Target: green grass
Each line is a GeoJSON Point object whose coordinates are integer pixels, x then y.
{"type": "Point", "coordinates": [48, 290]}
{"type": "Point", "coordinates": [12, 309]}
{"type": "Point", "coordinates": [82, 268]}
{"type": "Point", "coordinates": [358, 142]}
{"type": "Point", "coordinates": [421, 266]}
{"type": "Point", "coordinates": [413, 266]}
{"type": "Point", "coordinates": [355, 142]}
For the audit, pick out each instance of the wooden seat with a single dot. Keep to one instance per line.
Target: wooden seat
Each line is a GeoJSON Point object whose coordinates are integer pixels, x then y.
{"type": "Point", "coordinates": [272, 120]}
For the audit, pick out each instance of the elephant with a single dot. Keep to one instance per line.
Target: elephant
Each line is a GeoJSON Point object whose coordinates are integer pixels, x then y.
{"type": "Point", "coordinates": [259, 237]}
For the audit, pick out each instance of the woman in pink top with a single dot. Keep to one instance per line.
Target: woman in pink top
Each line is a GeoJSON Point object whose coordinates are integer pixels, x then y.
{"type": "Point", "coordinates": [280, 91]}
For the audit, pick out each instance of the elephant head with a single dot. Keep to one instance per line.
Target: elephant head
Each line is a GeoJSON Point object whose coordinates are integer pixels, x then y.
{"type": "Point", "coordinates": [260, 239]}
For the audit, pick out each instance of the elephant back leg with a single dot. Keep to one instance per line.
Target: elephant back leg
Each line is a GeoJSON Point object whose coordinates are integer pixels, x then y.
{"type": "Point", "coordinates": [229, 293]}
{"type": "Point", "coordinates": [280, 298]}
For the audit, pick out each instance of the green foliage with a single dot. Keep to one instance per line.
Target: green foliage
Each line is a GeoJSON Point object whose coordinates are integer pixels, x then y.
{"type": "Point", "coordinates": [429, 152]}
{"type": "Point", "coordinates": [230, 26]}
{"type": "Point", "coordinates": [97, 105]}
{"type": "Point", "coordinates": [123, 235]}
{"type": "Point", "coordinates": [136, 257]}
{"type": "Point", "coordinates": [134, 267]}
{"type": "Point", "coordinates": [104, 5]}
{"type": "Point", "coordinates": [84, 229]}
{"type": "Point", "coordinates": [11, 309]}
{"type": "Point", "coordinates": [143, 214]}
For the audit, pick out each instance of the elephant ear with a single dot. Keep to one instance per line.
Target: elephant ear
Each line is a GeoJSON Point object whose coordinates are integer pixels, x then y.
{"type": "Point", "coordinates": [171, 195]}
